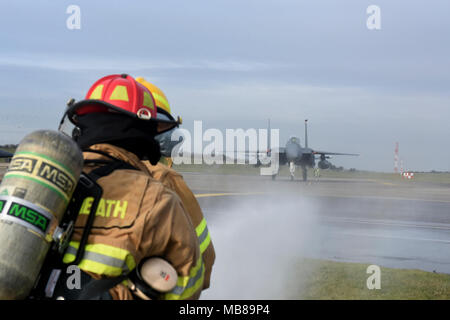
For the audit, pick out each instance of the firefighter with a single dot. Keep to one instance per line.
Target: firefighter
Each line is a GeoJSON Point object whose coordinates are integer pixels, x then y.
{"type": "Point", "coordinates": [137, 217]}
{"type": "Point", "coordinates": [174, 181]}
{"type": "Point", "coordinates": [317, 173]}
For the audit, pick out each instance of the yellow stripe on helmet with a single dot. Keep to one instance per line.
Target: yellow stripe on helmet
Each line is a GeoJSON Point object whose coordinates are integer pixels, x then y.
{"type": "Point", "coordinates": [148, 101]}
{"type": "Point", "coordinates": [161, 102]}
{"type": "Point", "coordinates": [97, 93]}
{"type": "Point", "coordinates": [160, 97]}
{"type": "Point", "coordinates": [119, 93]}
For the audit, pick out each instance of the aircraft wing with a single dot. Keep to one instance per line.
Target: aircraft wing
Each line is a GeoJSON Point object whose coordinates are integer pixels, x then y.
{"type": "Point", "coordinates": [5, 154]}
{"type": "Point", "coordinates": [276, 150]}
{"type": "Point", "coordinates": [281, 151]}
{"type": "Point", "coordinates": [334, 153]}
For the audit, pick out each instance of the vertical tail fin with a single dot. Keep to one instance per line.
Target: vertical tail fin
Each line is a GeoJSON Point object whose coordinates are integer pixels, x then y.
{"type": "Point", "coordinates": [306, 133]}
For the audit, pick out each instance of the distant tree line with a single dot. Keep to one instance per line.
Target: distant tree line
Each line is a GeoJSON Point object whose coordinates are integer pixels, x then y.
{"type": "Point", "coordinates": [8, 146]}
{"type": "Point", "coordinates": [334, 168]}
{"type": "Point", "coordinates": [433, 171]}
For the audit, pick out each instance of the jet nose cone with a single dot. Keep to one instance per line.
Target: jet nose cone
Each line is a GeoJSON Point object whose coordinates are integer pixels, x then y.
{"type": "Point", "coordinates": [292, 152]}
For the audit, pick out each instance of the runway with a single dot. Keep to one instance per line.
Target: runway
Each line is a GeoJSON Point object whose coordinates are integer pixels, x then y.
{"type": "Point", "coordinates": [260, 228]}
{"type": "Point", "coordinates": [404, 225]}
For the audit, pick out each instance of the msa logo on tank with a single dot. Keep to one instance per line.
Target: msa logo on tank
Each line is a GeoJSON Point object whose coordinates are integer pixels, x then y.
{"type": "Point", "coordinates": [25, 213]}
{"type": "Point", "coordinates": [42, 170]}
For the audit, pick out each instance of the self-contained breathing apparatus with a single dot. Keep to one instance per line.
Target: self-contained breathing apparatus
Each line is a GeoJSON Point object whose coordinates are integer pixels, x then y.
{"type": "Point", "coordinates": [40, 199]}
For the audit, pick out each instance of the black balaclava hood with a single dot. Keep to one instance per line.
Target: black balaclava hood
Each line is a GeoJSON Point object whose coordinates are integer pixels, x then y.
{"type": "Point", "coordinates": [133, 135]}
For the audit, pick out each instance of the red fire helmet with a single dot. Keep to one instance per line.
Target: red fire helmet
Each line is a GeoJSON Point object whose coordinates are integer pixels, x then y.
{"type": "Point", "coordinates": [119, 93]}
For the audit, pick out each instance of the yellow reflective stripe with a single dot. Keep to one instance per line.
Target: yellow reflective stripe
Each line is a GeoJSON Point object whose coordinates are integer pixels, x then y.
{"type": "Point", "coordinates": [148, 101]}
{"type": "Point", "coordinates": [205, 243]}
{"type": "Point", "coordinates": [68, 258]}
{"type": "Point", "coordinates": [102, 259]}
{"type": "Point", "coordinates": [105, 249]}
{"type": "Point", "coordinates": [97, 93]}
{"type": "Point", "coordinates": [161, 100]}
{"type": "Point", "coordinates": [99, 268]}
{"type": "Point", "coordinates": [188, 285]}
{"type": "Point", "coordinates": [203, 235]}
{"type": "Point", "coordinates": [119, 93]}
{"type": "Point", "coordinates": [201, 227]}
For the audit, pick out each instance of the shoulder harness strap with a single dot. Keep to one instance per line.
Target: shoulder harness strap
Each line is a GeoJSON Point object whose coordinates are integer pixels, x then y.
{"type": "Point", "coordinates": [91, 289]}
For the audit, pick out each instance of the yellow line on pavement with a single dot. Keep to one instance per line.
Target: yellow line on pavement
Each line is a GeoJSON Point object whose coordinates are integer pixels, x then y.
{"type": "Point", "coordinates": [382, 182]}
{"type": "Point", "coordinates": [378, 197]}
{"type": "Point", "coordinates": [204, 195]}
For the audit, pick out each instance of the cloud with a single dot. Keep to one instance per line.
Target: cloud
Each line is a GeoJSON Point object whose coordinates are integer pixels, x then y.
{"type": "Point", "coordinates": [75, 64]}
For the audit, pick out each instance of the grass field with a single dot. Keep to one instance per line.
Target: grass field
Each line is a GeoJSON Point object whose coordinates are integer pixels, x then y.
{"type": "Point", "coordinates": [329, 280]}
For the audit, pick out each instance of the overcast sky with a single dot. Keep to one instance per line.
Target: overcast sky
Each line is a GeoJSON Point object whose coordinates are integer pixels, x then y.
{"type": "Point", "coordinates": [234, 64]}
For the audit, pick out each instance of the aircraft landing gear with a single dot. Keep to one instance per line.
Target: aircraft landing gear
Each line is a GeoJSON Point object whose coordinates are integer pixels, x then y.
{"type": "Point", "coordinates": [305, 173]}
{"type": "Point", "coordinates": [292, 170]}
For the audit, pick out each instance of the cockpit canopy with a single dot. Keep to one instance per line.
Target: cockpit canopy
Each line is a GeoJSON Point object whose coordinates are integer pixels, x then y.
{"type": "Point", "coordinates": [295, 140]}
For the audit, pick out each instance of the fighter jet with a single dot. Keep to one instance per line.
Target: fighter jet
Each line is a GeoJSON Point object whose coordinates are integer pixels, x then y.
{"type": "Point", "coordinates": [296, 155]}
{"type": "Point", "coordinates": [5, 154]}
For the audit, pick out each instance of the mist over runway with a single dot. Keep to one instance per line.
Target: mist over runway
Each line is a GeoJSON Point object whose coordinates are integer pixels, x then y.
{"type": "Point", "coordinates": [260, 228]}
